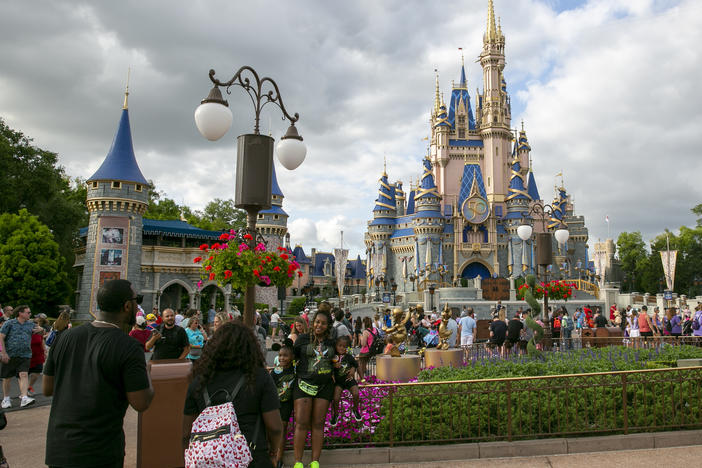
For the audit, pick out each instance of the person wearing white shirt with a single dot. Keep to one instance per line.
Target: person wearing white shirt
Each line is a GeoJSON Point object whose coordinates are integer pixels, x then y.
{"type": "Point", "coordinates": [466, 328]}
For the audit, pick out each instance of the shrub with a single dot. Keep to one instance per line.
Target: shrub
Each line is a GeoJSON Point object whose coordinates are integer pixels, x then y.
{"type": "Point", "coordinates": [296, 306]}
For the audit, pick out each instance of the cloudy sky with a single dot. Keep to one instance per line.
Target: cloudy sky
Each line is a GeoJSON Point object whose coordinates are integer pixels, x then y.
{"type": "Point", "coordinates": [608, 91]}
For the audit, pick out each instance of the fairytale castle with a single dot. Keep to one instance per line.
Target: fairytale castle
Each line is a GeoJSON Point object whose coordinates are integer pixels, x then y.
{"type": "Point", "coordinates": [460, 220]}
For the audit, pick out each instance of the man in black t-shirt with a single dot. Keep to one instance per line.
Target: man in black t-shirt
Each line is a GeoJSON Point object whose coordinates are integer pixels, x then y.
{"type": "Point", "coordinates": [498, 330]}
{"type": "Point", "coordinates": [169, 341]}
{"type": "Point", "coordinates": [514, 329]}
{"type": "Point", "coordinates": [93, 372]}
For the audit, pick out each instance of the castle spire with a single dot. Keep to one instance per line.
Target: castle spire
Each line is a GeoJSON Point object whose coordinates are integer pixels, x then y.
{"type": "Point", "coordinates": [126, 91]}
{"type": "Point", "coordinates": [437, 97]}
{"type": "Point", "coordinates": [491, 31]}
{"type": "Point", "coordinates": [464, 82]}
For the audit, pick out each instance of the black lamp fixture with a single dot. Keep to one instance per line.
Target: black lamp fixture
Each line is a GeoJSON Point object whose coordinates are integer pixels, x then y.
{"type": "Point", "coordinates": [254, 151]}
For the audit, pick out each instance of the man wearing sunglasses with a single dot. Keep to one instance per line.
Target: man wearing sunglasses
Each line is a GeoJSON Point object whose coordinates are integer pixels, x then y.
{"type": "Point", "coordinates": [94, 372]}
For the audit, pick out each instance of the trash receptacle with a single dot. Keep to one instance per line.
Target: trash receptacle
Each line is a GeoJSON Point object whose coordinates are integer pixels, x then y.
{"type": "Point", "coordinates": [159, 431]}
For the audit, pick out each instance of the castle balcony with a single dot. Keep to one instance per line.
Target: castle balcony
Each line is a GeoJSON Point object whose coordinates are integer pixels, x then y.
{"type": "Point", "coordinates": [160, 258]}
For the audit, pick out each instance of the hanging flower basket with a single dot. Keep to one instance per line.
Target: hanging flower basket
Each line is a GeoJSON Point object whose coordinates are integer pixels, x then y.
{"type": "Point", "coordinates": [556, 290]}
{"type": "Point", "coordinates": [232, 261]}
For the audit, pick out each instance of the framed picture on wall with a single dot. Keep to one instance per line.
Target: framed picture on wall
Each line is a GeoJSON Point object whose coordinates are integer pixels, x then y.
{"type": "Point", "coordinates": [109, 276]}
{"type": "Point", "coordinates": [112, 235]}
{"type": "Point", "coordinates": [111, 257]}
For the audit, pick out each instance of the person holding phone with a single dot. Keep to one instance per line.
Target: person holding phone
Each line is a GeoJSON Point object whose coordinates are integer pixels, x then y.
{"type": "Point", "coordinates": [196, 338]}
{"type": "Point", "coordinates": [168, 341]}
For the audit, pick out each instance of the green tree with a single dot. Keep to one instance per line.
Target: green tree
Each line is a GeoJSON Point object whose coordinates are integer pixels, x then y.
{"type": "Point", "coordinates": [31, 266]}
{"type": "Point", "coordinates": [219, 215]}
{"type": "Point", "coordinates": [687, 266]}
{"type": "Point", "coordinates": [633, 256]}
{"type": "Point", "coordinates": [31, 178]}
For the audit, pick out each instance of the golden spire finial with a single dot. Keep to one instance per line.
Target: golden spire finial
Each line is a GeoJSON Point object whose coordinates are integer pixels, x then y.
{"type": "Point", "coordinates": [490, 33]}
{"type": "Point", "coordinates": [499, 26]}
{"type": "Point", "coordinates": [522, 124]}
{"type": "Point", "coordinates": [385, 166]}
{"type": "Point", "coordinates": [437, 102]}
{"type": "Point", "coordinates": [126, 91]}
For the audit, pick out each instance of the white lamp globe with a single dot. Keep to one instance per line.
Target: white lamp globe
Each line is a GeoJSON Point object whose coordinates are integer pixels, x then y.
{"type": "Point", "coordinates": [562, 236]}
{"type": "Point", "coordinates": [524, 232]}
{"type": "Point", "coordinates": [291, 150]}
{"type": "Point", "coordinates": [213, 120]}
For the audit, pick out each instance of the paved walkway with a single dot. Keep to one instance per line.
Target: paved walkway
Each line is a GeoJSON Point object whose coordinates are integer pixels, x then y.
{"type": "Point", "coordinates": [24, 439]}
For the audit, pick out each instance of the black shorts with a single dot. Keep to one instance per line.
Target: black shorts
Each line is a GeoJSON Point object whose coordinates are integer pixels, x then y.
{"type": "Point", "coordinates": [38, 369]}
{"type": "Point", "coordinates": [510, 343]}
{"type": "Point", "coordinates": [346, 384]}
{"type": "Point", "coordinates": [14, 366]}
{"type": "Point", "coordinates": [286, 410]}
{"type": "Point", "coordinates": [324, 391]}
{"type": "Point", "coordinates": [648, 333]}
{"type": "Point", "coordinates": [497, 342]}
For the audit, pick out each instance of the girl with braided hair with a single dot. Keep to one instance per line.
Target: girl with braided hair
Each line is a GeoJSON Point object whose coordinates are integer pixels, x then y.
{"type": "Point", "coordinates": [231, 353]}
{"type": "Point", "coordinates": [314, 386]}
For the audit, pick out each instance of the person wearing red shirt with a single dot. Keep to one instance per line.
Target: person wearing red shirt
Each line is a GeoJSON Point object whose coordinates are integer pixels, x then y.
{"type": "Point", "coordinates": [36, 363]}
{"type": "Point", "coordinates": [140, 332]}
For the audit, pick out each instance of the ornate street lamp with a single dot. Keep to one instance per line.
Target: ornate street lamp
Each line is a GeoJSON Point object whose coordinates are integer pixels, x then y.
{"type": "Point", "coordinates": [432, 288]}
{"type": "Point", "coordinates": [412, 279]}
{"type": "Point", "coordinates": [544, 253]}
{"type": "Point", "coordinates": [254, 151]}
{"type": "Point", "coordinates": [393, 286]}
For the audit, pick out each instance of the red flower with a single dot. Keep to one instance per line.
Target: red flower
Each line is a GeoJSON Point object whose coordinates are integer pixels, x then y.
{"type": "Point", "coordinates": [197, 259]}
{"type": "Point", "coordinates": [248, 236]}
{"type": "Point", "coordinates": [204, 247]}
{"type": "Point", "coordinates": [212, 276]}
{"type": "Point", "coordinates": [299, 273]}
{"type": "Point", "coordinates": [256, 272]}
{"type": "Point", "coordinates": [208, 268]}
{"type": "Point", "coordinates": [211, 257]}
{"type": "Point", "coordinates": [227, 274]}
{"type": "Point", "coordinates": [284, 256]}
{"type": "Point", "coordinates": [277, 268]}
{"type": "Point", "coordinates": [224, 236]}
{"type": "Point", "coordinates": [268, 258]}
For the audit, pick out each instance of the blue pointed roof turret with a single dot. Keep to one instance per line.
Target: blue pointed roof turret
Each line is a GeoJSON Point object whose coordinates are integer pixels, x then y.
{"type": "Point", "coordinates": [427, 187]}
{"type": "Point", "coordinates": [523, 141]}
{"type": "Point", "coordinates": [532, 189]}
{"type": "Point", "coordinates": [517, 189]}
{"type": "Point", "coordinates": [410, 203]}
{"type": "Point", "coordinates": [275, 188]}
{"type": "Point", "coordinates": [120, 163]}
{"type": "Point", "coordinates": [277, 204]}
{"type": "Point", "coordinates": [460, 96]}
{"type": "Point", "coordinates": [386, 195]}
{"type": "Point", "coordinates": [463, 83]}
{"type": "Point", "coordinates": [300, 256]}
{"type": "Point", "coordinates": [559, 208]}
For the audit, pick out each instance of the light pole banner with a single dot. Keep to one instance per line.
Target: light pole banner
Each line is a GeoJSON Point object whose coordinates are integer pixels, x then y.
{"type": "Point", "coordinates": [340, 258]}
{"type": "Point", "coordinates": [668, 258]}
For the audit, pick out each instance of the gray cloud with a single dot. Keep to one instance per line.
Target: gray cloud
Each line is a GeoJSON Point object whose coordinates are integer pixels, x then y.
{"type": "Point", "coordinates": [606, 89]}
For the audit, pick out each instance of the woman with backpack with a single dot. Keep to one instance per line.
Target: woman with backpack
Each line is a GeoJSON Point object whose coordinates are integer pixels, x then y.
{"type": "Point", "coordinates": [675, 322]}
{"type": "Point", "coordinates": [232, 368]}
{"type": "Point", "coordinates": [697, 322]}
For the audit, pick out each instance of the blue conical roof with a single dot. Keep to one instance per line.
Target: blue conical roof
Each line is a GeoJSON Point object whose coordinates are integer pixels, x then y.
{"type": "Point", "coordinates": [533, 191]}
{"type": "Point", "coordinates": [427, 187]}
{"type": "Point", "coordinates": [517, 190]}
{"type": "Point", "coordinates": [463, 77]}
{"type": "Point", "coordinates": [275, 190]}
{"type": "Point", "coordinates": [386, 195]}
{"type": "Point", "coordinates": [120, 162]}
{"type": "Point", "coordinates": [471, 183]}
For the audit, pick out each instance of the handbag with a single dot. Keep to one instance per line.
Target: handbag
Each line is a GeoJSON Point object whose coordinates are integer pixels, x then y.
{"type": "Point", "coordinates": [3, 420]}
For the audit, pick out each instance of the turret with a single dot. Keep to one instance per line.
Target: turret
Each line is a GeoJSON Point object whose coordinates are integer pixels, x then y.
{"type": "Point", "coordinates": [273, 222]}
{"type": "Point", "coordinates": [117, 197]}
{"type": "Point", "coordinates": [399, 199]}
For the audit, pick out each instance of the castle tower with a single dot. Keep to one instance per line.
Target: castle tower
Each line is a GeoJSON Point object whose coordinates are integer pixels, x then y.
{"type": "Point", "coordinates": [494, 113]}
{"type": "Point", "coordinates": [517, 201]}
{"type": "Point", "coordinates": [272, 224]}
{"type": "Point", "coordinates": [380, 229]}
{"type": "Point", "coordinates": [399, 199]}
{"type": "Point", "coordinates": [117, 198]}
{"type": "Point", "coordinates": [428, 223]}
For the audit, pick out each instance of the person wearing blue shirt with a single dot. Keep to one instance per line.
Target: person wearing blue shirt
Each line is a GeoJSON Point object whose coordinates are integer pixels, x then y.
{"type": "Point", "coordinates": [466, 328]}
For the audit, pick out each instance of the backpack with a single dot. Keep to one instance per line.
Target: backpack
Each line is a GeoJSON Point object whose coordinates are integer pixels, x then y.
{"type": "Point", "coordinates": [566, 323]}
{"type": "Point", "coordinates": [668, 326]}
{"type": "Point", "coordinates": [376, 345]}
{"type": "Point", "coordinates": [696, 322]}
{"type": "Point", "coordinates": [557, 323]}
{"type": "Point", "coordinates": [51, 338]}
{"type": "Point", "coordinates": [215, 438]}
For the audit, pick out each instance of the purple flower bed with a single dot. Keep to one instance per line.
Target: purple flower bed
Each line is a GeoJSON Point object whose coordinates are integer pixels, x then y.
{"type": "Point", "coordinates": [348, 431]}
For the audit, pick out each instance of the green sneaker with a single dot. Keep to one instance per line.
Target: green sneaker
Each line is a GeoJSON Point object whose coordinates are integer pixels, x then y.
{"type": "Point", "coordinates": [314, 464]}
{"type": "Point", "coordinates": [298, 465]}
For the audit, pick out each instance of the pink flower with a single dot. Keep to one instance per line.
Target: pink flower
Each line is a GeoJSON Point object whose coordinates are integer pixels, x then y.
{"type": "Point", "coordinates": [266, 280]}
{"type": "Point", "coordinates": [199, 284]}
{"type": "Point", "coordinates": [260, 247]}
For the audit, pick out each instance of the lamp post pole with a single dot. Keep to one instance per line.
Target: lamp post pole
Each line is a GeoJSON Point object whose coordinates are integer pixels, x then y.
{"type": "Point", "coordinates": [431, 294]}
{"type": "Point", "coordinates": [254, 151]}
{"type": "Point", "coordinates": [393, 286]}
{"type": "Point", "coordinates": [544, 252]}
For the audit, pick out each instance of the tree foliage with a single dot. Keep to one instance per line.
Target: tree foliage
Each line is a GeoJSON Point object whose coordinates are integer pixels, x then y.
{"type": "Point", "coordinates": [31, 178]}
{"type": "Point", "coordinates": [218, 215]}
{"type": "Point", "coordinates": [31, 266]}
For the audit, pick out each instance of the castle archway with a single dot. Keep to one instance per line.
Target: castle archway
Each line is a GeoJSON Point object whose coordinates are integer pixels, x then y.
{"type": "Point", "coordinates": [474, 269]}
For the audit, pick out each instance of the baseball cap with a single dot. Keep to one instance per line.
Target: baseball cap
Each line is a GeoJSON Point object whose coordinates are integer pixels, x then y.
{"type": "Point", "coordinates": [151, 317]}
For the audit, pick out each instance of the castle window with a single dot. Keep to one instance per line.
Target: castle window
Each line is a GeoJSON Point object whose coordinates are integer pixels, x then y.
{"type": "Point", "coordinates": [461, 133]}
{"type": "Point", "coordinates": [260, 216]}
{"type": "Point", "coordinates": [137, 187]}
{"type": "Point", "coordinates": [116, 185]}
{"type": "Point", "coordinates": [275, 216]}
{"type": "Point", "coordinates": [95, 185]}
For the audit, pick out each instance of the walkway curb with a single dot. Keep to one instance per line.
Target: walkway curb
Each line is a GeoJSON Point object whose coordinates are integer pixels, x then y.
{"type": "Point", "coordinates": [522, 448]}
